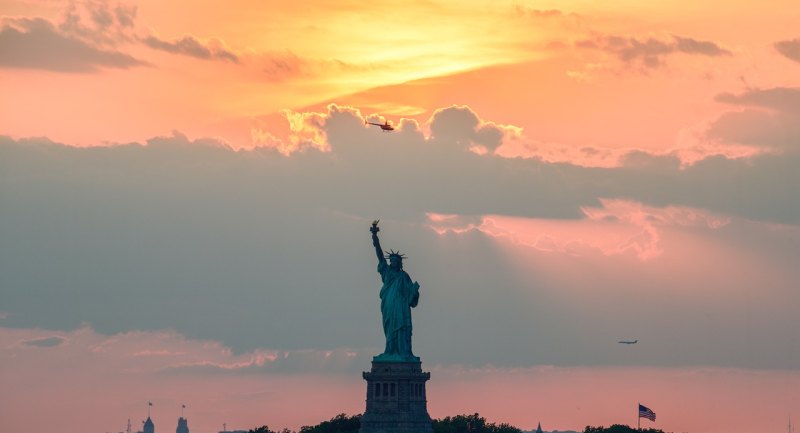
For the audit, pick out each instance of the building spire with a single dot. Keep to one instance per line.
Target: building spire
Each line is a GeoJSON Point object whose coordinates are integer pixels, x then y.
{"type": "Point", "coordinates": [183, 425]}
{"type": "Point", "coordinates": [148, 426]}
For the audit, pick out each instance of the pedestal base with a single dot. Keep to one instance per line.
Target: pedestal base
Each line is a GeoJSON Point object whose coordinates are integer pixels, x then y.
{"type": "Point", "coordinates": [396, 399]}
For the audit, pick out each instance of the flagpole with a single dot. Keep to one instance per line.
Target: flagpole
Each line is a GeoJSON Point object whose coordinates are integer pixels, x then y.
{"type": "Point", "coordinates": [638, 418]}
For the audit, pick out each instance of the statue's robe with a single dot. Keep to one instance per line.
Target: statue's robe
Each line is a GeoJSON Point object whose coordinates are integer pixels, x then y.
{"type": "Point", "coordinates": [398, 295]}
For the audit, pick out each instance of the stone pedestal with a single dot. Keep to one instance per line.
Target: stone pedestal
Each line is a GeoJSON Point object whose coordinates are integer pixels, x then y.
{"type": "Point", "coordinates": [396, 399]}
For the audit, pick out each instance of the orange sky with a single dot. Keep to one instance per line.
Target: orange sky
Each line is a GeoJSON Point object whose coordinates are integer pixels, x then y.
{"type": "Point", "coordinates": [513, 62]}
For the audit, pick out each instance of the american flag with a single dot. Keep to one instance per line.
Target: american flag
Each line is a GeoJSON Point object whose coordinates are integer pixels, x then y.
{"type": "Point", "coordinates": [645, 412]}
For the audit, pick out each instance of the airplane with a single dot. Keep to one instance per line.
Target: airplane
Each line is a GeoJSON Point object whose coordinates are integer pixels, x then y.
{"type": "Point", "coordinates": [386, 127]}
{"type": "Point", "coordinates": [628, 342]}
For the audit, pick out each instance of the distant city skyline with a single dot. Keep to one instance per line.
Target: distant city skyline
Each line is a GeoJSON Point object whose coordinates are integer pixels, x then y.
{"type": "Point", "coordinates": [182, 427]}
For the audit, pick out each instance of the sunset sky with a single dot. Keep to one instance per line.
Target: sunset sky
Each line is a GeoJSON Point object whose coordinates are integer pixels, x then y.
{"type": "Point", "coordinates": [186, 189]}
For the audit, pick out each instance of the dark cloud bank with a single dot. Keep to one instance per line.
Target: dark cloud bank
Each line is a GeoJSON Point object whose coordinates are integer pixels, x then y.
{"type": "Point", "coordinates": [260, 250]}
{"type": "Point", "coordinates": [789, 49]}
{"type": "Point", "coordinates": [192, 47]}
{"type": "Point", "coordinates": [91, 37]}
{"type": "Point", "coordinates": [651, 52]}
{"type": "Point", "coordinates": [45, 342]}
{"type": "Point", "coordinates": [37, 44]}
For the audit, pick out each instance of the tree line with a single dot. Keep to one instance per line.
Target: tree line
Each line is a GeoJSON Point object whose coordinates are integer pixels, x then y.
{"type": "Point", "coordinates": [474, 423]}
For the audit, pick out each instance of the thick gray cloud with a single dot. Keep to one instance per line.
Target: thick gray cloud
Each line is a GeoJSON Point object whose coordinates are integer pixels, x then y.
{"type": "Point", "coordinates": [259, 250]}
{"type": "Point", "coordinates": [696, 46]}
{"type": "Point", "coordinates": [88, 37]}
{"type": "Point", "coordinates": [651, 52]}
{"type": "Point", "coordinates": [125, 14]}
{"type": "Point", "coordinates": [45, 342]}
{"type": "Point", "coordinates": [36, 44]}
{"type": "Point", "coordinates": [190, 46]}
{"type": "Point", "coordinates": [789, 48]}
{"type": "Point", "coordinates": [779, 131]}
{"type": "Point", "coordinates": [771, 119]}
{"type": "Point", "coordinates": [785, 99]}
{"type": "Point", "coordinates": [99, 22]}
{"type": "Point", "coordinates": [461, 126]}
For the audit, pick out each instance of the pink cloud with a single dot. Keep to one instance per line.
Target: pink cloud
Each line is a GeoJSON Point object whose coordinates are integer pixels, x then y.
{"type": "Point", "coordinates": [162, 352]}
{"type": "Point", "coordinates": [451, 223]}
{"type": "Point", "coordinates": [461, 127]}
{"type": "Point", "coordinates": [306, 130]}
{"type": "Point", "coordinates": [458, 125]}
{"type": "Point", "coordinates": [617, 227]}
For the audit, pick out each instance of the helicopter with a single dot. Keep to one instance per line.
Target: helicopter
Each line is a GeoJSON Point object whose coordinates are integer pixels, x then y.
{"type": "Point", "coordinates": [386, 127]}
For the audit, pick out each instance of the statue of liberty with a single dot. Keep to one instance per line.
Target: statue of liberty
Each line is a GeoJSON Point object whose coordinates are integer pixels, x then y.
{"type": "Point", "coordinates": [398, 295]}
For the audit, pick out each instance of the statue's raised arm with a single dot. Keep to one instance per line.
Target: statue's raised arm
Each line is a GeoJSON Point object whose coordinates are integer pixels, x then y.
{"type": "Point", "coordinates": [376, 242]}
{"type": "Point", "coordinates": [399, 294]}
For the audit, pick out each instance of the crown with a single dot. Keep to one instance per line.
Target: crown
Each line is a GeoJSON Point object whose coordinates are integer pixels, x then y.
{"type": "Point", "coordinates": [393, 253]}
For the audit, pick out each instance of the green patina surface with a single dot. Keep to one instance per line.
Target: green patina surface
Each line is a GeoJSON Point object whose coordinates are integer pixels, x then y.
{"type": "Point", "coordinates": [398, 295]}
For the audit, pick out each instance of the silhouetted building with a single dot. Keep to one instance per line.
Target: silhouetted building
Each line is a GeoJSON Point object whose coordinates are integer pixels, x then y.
{"type": "Point", "coordinates": [149, 427]}
{"type": "Point", "coordinates": [538, 428]}
{"type": "Point", "coordinates": [183, 426]}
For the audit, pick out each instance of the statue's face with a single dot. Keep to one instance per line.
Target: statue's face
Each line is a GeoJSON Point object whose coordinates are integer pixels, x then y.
{"type": "Point", "coordinates": [395, 262]}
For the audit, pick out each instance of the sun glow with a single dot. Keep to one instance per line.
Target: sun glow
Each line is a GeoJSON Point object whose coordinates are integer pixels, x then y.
{"type": "Point", "coordinates": [349, 49]}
